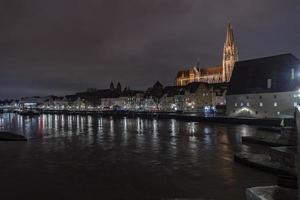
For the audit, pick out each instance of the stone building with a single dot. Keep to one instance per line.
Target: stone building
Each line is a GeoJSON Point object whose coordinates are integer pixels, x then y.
{"type": "Point", "coordinates": [194, 97]}
{"type": "Point", "coordinates": [264, 87]}
{"type": "Point", "coordinates": [218, 74]}
{"type": "Point", "coordinates": [172, 99]}
{"type": "Point", "coordinates": [197, 96]}
{"type": "Point", "coordinates": [126, 100]}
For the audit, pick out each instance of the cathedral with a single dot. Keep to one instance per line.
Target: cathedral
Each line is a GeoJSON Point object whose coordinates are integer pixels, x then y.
{"type": "Point", "coordinates": [218, 74]}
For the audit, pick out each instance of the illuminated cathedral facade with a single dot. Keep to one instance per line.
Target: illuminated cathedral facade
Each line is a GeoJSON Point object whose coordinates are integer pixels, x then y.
{"type": "Point", "coordinates": [218, 74]}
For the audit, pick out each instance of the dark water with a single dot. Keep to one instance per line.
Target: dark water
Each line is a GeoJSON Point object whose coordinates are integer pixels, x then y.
{"type": "Point", "coordinates": [84, 157]}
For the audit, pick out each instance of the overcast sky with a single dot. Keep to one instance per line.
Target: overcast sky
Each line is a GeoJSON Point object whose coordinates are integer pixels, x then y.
{"type": "Point", "coordinates": [63, 46]}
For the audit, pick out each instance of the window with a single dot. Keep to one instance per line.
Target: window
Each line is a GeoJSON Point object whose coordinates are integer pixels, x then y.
{"type": "Point", "coordinates": [256, 112]}
{"type": "Point", "coordinates": [292, 74]}
{"type": "Point", "coordinates": [269, 83]}
{"type": "Point", "coordinates": [260, 97]}
{"type": "Point", "coordinates": [278, 113]}
{"type": "Point", "coordinates": [235, 104]}
{"type": "Point", "coordinates": [242, 104]}
{"type": "Point", "coordinates": [275, 96]}
{"type": "Point", "coordinates": [247, 97]}
{"type": "Point", "coordinates": [275, 104]}
{"type": "Point", "coordinates": [248, 104]}
{"type": "Point", "coordinates": [261, 104]}
{"type": "Point", "coordinates": [295, 104]}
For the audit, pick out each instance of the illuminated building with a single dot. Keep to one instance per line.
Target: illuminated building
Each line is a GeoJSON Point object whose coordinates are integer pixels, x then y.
{"type": "Point", "coordinates": [194, 97]}
{"type": "Point", "coordinates": [197, 96]}
{"type": "Point", "coordinates": [218, 74]}
{"type": "Point", "coordinates": [173, 98]}
{"type": "Point", "coordinates": [264, 87]}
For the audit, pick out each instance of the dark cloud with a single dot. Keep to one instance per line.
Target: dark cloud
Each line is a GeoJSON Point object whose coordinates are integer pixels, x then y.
{"type": "Point", "coordinates": [63, 46]}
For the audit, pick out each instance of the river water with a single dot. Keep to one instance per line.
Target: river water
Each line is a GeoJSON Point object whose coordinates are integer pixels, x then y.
{"type": "Point", "coordinates": [86, 157]}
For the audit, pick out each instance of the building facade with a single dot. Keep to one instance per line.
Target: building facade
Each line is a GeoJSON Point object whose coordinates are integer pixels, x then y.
{"type": "Point", "coordinates": [218, 74]}
{"type": "Point", "coordinates": [195, 97]}
{"type": "Point", "coordinates": [264, 87]}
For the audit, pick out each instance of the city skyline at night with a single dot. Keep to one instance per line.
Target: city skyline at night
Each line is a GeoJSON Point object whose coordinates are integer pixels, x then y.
{"type": "Point", "coordinates": [150, 99]}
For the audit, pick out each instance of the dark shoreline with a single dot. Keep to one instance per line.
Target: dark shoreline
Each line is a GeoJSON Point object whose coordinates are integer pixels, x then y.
{"type": "Point", "coordinates": [189, 117]}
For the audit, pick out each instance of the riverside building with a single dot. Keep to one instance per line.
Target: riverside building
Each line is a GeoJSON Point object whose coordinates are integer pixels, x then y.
{"type": "Point", "coordinates": [264, 87]}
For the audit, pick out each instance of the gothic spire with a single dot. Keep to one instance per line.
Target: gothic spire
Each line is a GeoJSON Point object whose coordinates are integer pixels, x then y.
{"type": "Point", "coordinates": [229, 35]}
{"type": "Point", "coordinates": [111, 86]}
{"type": "Point", "coordinates": [230, 54]}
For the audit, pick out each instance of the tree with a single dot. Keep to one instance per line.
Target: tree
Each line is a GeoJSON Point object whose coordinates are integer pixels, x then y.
{"type": "Point", "coordinates": [157, 92]}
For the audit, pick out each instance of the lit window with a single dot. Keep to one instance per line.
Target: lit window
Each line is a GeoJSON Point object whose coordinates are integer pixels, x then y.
{"type": "Point", "coordinates": [292, 74]}
{"type": "Point", "coordinates": [242, 104]}
{"type": "Point", "coordinates": [235, 104]}
{"type": "Point", "coordinates": [248, 104]}
{"type": "Point", "coordinates": [275, 104]}
{"type": "Point", "coordinates": [278, 113]}
{"type": "Point", "coordinates": [261, 104]}
{"type": "Point", "coordinates": [269, 83]}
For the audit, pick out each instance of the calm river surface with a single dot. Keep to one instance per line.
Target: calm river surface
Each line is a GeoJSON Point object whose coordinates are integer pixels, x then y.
{"type": "Point", "coordinates": [85, 157]}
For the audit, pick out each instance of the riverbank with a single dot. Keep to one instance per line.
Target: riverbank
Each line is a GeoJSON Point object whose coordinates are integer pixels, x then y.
{"type": "Point", "coordinates": [191, 117]}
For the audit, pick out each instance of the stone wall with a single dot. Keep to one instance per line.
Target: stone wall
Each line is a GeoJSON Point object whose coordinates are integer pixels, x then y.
{"type": "Point", "coordinates": [263, 105]}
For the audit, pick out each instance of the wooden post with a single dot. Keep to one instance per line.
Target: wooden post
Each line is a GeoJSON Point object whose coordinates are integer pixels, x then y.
{"type": "Point", "coordinates": [297, 123]}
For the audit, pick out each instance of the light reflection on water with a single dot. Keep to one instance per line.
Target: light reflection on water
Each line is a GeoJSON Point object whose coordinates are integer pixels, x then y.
{"type": "Point", "coordinates": [189, 155]}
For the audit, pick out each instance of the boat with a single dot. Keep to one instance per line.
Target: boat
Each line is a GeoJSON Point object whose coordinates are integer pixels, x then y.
{"type": "Point", "coordinates": [8, 136]}
{"type": "Point", "coordinates": [30, 112]}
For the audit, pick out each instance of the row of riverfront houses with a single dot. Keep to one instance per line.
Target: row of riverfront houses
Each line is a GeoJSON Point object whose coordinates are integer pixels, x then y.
{"type": "Point", "coordinates": [195, 97]}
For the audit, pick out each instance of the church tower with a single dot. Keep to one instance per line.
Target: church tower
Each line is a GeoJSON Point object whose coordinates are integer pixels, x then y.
{"type": "Point", "coordinates": [230, 54]}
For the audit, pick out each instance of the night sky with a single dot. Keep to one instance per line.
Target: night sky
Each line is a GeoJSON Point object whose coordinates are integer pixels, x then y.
{"type": "Point", "coordinates": [64, 46]}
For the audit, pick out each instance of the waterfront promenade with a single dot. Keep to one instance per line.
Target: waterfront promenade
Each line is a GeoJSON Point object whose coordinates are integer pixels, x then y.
{"type": "Point", "coordinates": [192, 117]}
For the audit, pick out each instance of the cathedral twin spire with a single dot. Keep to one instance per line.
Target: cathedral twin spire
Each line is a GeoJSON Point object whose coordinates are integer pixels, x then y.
{"type": "Point", "coordinates": [229, 35]}
{"type": "Point", "coordinates": [230, 54]}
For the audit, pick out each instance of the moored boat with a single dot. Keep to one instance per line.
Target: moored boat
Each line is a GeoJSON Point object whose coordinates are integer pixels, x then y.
{"type": "Point", "coordinates": [7, 136]}
{"type": "Point", "coordinates": [29, 112]}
